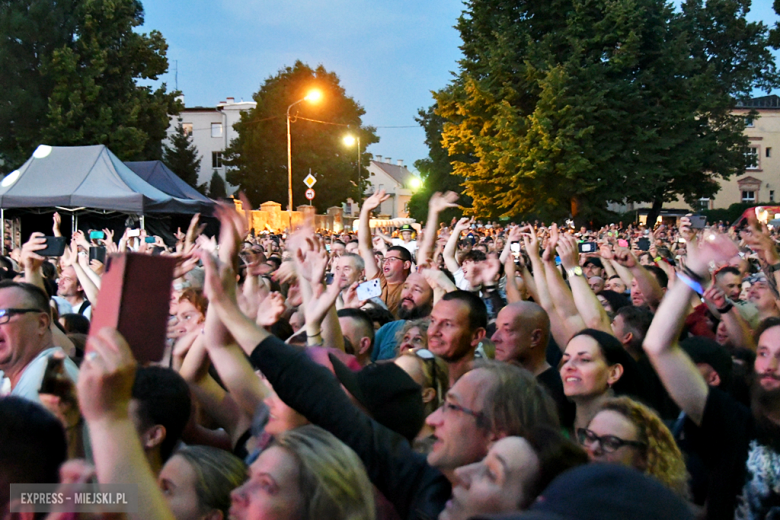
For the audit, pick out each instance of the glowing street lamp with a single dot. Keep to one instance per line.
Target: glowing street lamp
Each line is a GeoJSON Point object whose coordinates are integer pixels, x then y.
{"type": "Point", "coordinates": [313, 96]}
{"type": "Point", "coordinates": [350, 140]}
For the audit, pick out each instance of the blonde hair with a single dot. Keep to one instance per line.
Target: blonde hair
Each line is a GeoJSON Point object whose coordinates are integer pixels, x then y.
{"type": "Point", "coordinates": [663, 459]}
{"type": "Point", "coordinates": [333, 480]}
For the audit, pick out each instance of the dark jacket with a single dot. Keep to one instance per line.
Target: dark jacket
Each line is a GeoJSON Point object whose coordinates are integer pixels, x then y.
{"type": "Point", "coordinates": [404, 477]}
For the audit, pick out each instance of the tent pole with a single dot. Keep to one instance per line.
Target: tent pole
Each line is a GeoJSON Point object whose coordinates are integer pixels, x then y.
{"type": "Point", "coordinates": [74, 223]}
{"type": "Point", "coordinates": [2, 223]}
{"type": "Point", "coordinates": [143, 222]}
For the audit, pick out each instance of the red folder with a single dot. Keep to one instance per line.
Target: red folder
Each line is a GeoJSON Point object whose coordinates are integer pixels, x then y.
{"type": "Point", "coordinates": [134, 298]}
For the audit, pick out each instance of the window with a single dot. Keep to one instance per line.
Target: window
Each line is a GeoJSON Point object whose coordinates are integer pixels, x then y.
{"type": "Point", "coordinates": [769, 151]}
{"type": "Point", "coordinates": [749, 122]}
{"type": "Point", "coordinates": [749, 197]}
{"type": "Point", "coordinates": [216, 159]}
{"type": "Point", "coordinates": [771, 195]}
{"type": "Point", "coordinates": [704, 204]}
{"type": "Point", "coordinates": [216, 129]}
{"type": "Point", "coordinates": [752, 158]}
{"type": "Point", "coordinates": [187, 127]}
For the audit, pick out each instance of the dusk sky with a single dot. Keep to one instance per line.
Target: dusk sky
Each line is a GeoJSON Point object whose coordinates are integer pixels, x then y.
{"type": "Point", "coordinates": [389, 55]}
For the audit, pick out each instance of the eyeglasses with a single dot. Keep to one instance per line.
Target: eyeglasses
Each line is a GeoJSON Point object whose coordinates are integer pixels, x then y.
{"type": "Point", "coordinates": [388, 258]}
{"type": "Point", "coordinates": [427, 355]}
{"type": "Point", "coordinates": [608, 443]}
{"type": "Point", "coordinates": [448, 406]}
{"type": "Point", "coordinates": [5, 314]}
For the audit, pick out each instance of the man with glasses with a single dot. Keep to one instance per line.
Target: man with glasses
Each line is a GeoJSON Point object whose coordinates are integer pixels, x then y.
{"type": "Point", "coordinates": [26, 340]}
{"type": "Point", "coordinates": [397, 260]}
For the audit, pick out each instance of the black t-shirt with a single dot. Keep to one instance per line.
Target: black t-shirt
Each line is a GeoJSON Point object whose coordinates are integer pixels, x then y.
{"type": "Point", "coordinates": [745, 474]}
{"type": "Point", "coordinates": [655, 393]}
{"type": "Point", "coordinates": [551, 380]}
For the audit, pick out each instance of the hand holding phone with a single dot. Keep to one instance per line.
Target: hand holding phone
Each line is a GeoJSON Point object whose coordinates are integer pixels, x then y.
{"type": "Point", "coordinates": [55, 246]}
{"type": "Point", "coordinates": [370, 289]}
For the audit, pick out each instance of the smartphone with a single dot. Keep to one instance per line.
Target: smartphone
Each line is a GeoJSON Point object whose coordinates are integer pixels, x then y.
{"type": "Point", "coordinates": [97, 253]}
{"type": "Point", "coordinates": [681, 240]}
{"type": "Point", "coordinates": [643, 244]}
{"type": "Point", "coordinates": [698, 221]}
{"type": "Point", "coordinates": [587, 247]}
{"type": "Point", "coordinates": [55, 246]}
{"type": "Point", "coordinates": [97, 235]}
{"type": "Point", "coordinates": [557, 260]}
{"type": "Point", "coordinates": [369, 289]}
{"type": "Point", "coordinates": [622, 243]}
{"type": "Point", "coordinates": [134, 233]}
{"type": "Point", "coordinates": [150, 240]}
{"type": "Point", "coordinates": [328, 278]}
{"type": "Point", "coordinates": [514, 247]}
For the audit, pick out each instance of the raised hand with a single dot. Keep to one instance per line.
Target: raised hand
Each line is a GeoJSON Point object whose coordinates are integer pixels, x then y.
{"type": "Point", "coordinates": [605, 252]}
{"type": "Point", "coordinates": [531, 242]}
{"type": "Point", "coordinates": [715, 297]}
{"type": "Point", "coordinates": [81, 240]}
{"type": "Point", "coordinates": [350, 297]}
{"type": "Point", "coordinates": [313, 262]}
{"type": "Point", "coordinates": [625, 258]}
{"type": "Point", "coordinates": [271, 310]}
{"type": "Point", "coordinates": [441, 201]}
{"type": "Point", "coordinates": [29, 259]}
{"type": "Point", "coordinates": [106, 377]}
{"type": "Point", "coordinates": [220, 280]}
{"type": "Point", "coordinates": [56, 223]}
{"type": "Point", "coordinates": [373, 202]}
{"type": "Point", "coordinates": [709, 250]}
{"type": "Point", "coordinates": [568, 251]}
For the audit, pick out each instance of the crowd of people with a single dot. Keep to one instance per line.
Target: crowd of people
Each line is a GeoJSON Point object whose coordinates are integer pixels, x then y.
{"type": "Point", "coordinates": [466, 370]}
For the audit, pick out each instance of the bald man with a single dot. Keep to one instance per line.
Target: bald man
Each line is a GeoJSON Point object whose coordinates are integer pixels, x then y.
{"type": "Point", "coordinates": [522, 333]}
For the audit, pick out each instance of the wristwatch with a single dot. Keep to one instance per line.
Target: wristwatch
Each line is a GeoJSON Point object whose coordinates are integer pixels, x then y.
{"type": "Point", "coordinates": [574, 271]}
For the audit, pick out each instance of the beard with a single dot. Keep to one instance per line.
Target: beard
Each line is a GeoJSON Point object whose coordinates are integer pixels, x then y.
{"type": "Point", "coordinates": [415, 312]}
{"type": "Point", "coordinates": [765, 405]}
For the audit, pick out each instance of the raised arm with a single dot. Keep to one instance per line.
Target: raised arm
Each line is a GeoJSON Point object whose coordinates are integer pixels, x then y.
{"type": "Point", "coordinates": [677, 371]}
{"type": "Point", "coordinates": [452, 244]}
{"type": "Point", "coordinates": [560, 293]}
{"type": "Point", "coordinates": [364, 233]}
{"type": "Point", "coordinates": [590, 309]}
{"type": "Point", "coordinates": [438, 203]}
{"type": "Point", "coordinates": [736, 326]}
{"type": "Point", "coordinates": [646, 282]}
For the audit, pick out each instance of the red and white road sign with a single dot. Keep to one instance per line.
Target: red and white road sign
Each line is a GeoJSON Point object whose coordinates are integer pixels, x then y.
{"type": "Point", "coordinates": [310, 194]}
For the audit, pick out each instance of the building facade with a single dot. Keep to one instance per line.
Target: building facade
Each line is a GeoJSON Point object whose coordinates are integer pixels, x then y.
{"type": "Point", "coordinates": [212, 130]}
{"type": "Point", "coordinates": [397, 181]}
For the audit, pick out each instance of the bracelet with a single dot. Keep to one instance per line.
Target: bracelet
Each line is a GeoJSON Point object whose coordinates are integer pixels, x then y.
{"type": "Point", "coordinates": [694, 285]}
{"type": "Point", "coordinates": [693, 276]}
{"type": "Point", "coordinates": [314, 335]}
{"type": "Point", "coordinates": [657, 259]}
{"type": "Point", "coordinates": [726, 308]}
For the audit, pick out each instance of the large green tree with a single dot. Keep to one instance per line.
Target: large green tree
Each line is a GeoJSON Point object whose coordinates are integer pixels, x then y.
{"type": "Point", "coordinates": [182, 157]}
{"type": "Point", "coordinates": [561, 107]}
{"type": "Point", "coordinates": [257, 158]}
{"type": "Point", "coordinates": [73, 68]}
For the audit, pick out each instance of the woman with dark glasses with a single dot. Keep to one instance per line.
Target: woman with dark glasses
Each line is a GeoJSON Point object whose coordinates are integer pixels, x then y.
{"type": "Point", "coordinates": [629, 433]}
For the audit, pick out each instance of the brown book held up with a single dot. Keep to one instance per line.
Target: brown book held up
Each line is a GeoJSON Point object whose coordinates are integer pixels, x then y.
{"type": "Point", "coordinates": [134, 298]}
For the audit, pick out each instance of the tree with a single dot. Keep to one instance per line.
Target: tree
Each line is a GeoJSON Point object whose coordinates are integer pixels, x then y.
{"type": "Point", "coordinates": [217, 187]}
{"type": "Point", "coordinates": [561, 107]}
{"type": "Point", "coordinates": [182, 158]}
{"type": "Point", "coordinates": [435, 170]}
{"type": "Point", "coordinates": [257, 158]}
{"type": "Point", "coordinates": [80, 62]}
{"type": "Point", "coordinates": [30, 32]}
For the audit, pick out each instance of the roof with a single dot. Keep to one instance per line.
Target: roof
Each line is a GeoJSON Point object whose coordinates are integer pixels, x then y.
{"type": "Point", "coordinates": [89, 177]}
{"type": "Point", "coordinates": [399, 173]}
{"type": "Point", "coordinates": [161, 177]}
{"type": "Point", "coordinates": [765, 102]}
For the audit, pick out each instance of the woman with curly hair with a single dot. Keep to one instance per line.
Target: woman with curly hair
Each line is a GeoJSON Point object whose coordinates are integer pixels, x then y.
{"type": "Point", "coordinates": [627, 432]}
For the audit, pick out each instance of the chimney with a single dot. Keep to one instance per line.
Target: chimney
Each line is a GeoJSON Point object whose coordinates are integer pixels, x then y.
{"type": "Point", "coordinates": [401, 162]}
{"type": "Point", "coordinates": [231, 100]}
{"type": "Point", "coordinates": [378, 158]}
{"type": "Point", "coordinates": [389, 160]}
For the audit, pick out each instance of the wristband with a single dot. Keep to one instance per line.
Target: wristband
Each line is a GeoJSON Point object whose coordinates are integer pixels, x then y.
{"type": "Point", "coordinates": [657, 259]}
{"type": "Point", "coordinates": [693, 284]}
{"type": "Point", "coordinates": [726, 308]}
{"type": "Point", "coordinates": [693, 276]}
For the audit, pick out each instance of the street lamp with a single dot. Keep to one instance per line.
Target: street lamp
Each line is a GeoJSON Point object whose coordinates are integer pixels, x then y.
{"type": "Point", "coordinates": [313, 96]}
{"type": "Point", "coordinates": [349, 141]}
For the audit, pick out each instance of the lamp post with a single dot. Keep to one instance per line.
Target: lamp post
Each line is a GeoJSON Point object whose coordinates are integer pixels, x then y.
{"type": "Point", "coordinates": [349, 141]}
{"type": "Point", "coordinates": [313, 96]}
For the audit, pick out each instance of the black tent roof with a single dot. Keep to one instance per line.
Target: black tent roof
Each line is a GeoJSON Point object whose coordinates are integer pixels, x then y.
{"type": "Point", "coordinates": [161, 177]}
